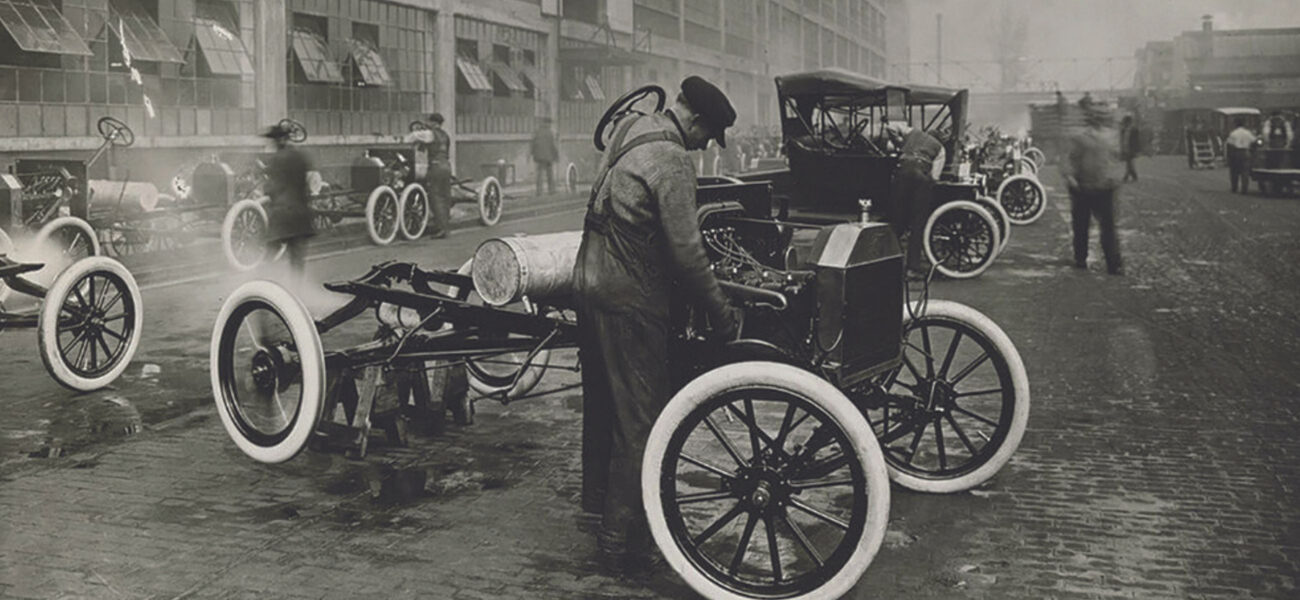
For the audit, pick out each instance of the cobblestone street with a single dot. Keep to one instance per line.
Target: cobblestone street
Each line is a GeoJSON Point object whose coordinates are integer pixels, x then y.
{"type": "Point", "coordinates": [1162, 457]}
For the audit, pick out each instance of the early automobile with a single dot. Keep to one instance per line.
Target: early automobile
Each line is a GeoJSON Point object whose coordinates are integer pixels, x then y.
{"type": "Point", "coordinates": [87, 321]}
{"type": "Point", "coordinates": [832, 123]}
{"type": "Point", "coordinates": [767, 474]}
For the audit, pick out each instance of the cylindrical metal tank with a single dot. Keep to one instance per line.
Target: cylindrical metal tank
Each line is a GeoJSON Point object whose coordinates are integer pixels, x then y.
{"type": "Point", "coordinates": [120, 198]}
{"type": "Point", "coordinates": [540, 267]}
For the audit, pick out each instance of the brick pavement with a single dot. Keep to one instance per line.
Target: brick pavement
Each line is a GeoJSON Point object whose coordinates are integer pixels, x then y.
{"type": "Point", "coordinates": [1160, 459]}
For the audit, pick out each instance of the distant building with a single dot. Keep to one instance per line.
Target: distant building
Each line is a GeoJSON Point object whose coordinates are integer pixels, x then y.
{"type": "Point", "coordinates": [195, 78]}
{"type": "Point", "coordinates": [1258, 68]}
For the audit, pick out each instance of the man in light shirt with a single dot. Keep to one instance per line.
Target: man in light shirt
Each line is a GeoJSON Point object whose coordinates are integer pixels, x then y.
{"type": "Point", "coordinates": [1239, 143]}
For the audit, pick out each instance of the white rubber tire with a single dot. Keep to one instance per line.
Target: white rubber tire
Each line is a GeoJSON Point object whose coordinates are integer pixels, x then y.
{"type": "Point", "coordinates": [1038, 211]}
{"type": "Point", "coordinates": [6, 249]}
{"type": "Point", "coordinates": [800, 383]}
{"type": "Point", "coordinates": [571, 178]}
{"type": "Point", "coordinates": [527, 381]}
{"type": "Point", "coordinates": [486, 214]}
{"type": "Point", "coordinates": [1028, 166]}
{"type": "Point", "coordinates": [1037, 156]}
{"type": "Point", "coordinates": [1000, 215]}
{"type": "Point", "coordinates": [42, 239]}
{"type": "Point", "coordinates": [407, 193]}
{"type": "Point", "coordinates": [311, 356]}
{"type": "Point", "coordinates": [382, 193]}
{"type": "Point", "coordinates": [961, 205]}
{"type": "Point", "coordinates": [227, 235]}
{"type": "Point", "coordinates": [946, 309]}
{"type": "Point", "coordinates": [47, 331]}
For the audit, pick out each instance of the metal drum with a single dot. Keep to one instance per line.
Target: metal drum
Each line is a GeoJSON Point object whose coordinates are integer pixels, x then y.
{"type": "Point", "coordinates": [118, 198]}
{"type": "Point", "coordinates": [507, 269]}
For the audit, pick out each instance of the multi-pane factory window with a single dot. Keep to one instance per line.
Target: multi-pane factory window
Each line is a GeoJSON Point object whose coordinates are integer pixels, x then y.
{"type": "Point", "coordinates": [359, 68]}
{"type": "Point", "coordinates": [496, 75]}
{"type": "Point", "coordinates": [703, 12]}
{"type": "Point", "coordinates": [157, 65]}
{"type": "Point", "coordinates": [658, 16]}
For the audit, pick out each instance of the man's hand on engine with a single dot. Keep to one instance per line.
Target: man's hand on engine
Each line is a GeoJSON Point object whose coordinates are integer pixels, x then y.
{"type": "Point", "coordinates": [726, 326]}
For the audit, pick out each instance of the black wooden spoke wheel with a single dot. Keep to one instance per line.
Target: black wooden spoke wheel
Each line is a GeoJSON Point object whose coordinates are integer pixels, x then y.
{"type": "Point", "coordinates": [267, 371]}
{"type": "Point", "coordinates": [89, 324]}
{"type": "Point", "coordinates": [952, 415]}
{"type": "Point", "coordinates": [759, 482]}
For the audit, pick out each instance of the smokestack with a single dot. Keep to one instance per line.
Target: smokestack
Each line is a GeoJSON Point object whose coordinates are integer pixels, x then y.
{"type": "Point", "coordinates": [1207, 23]}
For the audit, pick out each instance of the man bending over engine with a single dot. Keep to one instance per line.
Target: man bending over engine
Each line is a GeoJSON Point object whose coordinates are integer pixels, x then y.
{"type": "Point", "coordinates": [919, 163]}
{"type": "Point", "coordinates": [640, 235]}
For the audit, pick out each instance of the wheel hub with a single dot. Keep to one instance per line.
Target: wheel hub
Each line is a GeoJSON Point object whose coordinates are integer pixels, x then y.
{"type": "Point", "coordinates": [265, 369]}
{"type": "Point", "coordinates": [939, 396]}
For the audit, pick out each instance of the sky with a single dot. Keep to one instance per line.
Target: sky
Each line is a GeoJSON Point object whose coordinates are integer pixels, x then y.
{"type": "Point", "coordinates": [1055, 29]}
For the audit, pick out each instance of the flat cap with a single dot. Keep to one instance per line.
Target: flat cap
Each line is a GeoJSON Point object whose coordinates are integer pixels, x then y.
{"type": "Point", "coordinates": [277, 132]}
{"type": "Point", "coordinates": [710, 103]}
{"type": "Point", "coordinates": [436, 118]}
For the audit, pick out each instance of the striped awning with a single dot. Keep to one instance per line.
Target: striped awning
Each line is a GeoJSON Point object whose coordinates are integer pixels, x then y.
{"type": "Point", "coordinates": [473, 74]}
{"type": "Point", "coordinates": [37, 26]}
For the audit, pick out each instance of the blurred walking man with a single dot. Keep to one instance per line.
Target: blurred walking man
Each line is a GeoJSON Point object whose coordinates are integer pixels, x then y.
{"type": "Point", "coordinates": [545, 153]}
{"type": "Point", "coordinates": [1239, 143]}
{"type": "Point", "coordinates": [290, 208]}
{"type": "Point", "coordinates": [1089, 171]}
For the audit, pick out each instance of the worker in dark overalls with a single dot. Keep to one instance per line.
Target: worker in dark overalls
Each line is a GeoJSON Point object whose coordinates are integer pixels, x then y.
{"type": "Point", "coordinates": [640, 239]}
{"type": "Point", "coordinates": [920, 161]}
{"type": "Point", "coordinates": [432, 148]}
{"type": "Point", "coordinates": [290, 208]}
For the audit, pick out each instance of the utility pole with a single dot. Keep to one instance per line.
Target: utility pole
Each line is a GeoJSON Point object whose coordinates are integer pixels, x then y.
{"type": "Point", "coordinates": [938, 36]}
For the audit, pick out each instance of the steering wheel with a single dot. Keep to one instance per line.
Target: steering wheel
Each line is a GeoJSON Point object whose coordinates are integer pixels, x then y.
{"type": "Point", "coordinates": [115, 131]}
{"type": "Point", "coordinates": [297, 131]}
{"type": "Point", "coordinates": [417, 126]}
{"type": "Point", "coordinates": [624, 107]}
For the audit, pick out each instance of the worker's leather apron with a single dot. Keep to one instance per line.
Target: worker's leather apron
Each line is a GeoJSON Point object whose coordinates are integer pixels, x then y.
{"type": "Point", "coordinates": [623, 347]}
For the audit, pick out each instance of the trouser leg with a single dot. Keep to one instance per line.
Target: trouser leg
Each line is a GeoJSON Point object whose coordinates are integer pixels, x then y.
{"type": "Point", "coordinates": [920, 213]}
{"type": "Point", "coordinates": [550, 178]}
{"type": "Point", "coordinates": [1080, 218]}
{"type": "Point", "coordinates": [1105, 210]}
{"type": "Point", "coordinates": [440, 197]}
{"type": "Point", "coordinates": [637, 378]}
{"type": "Point", "coordinates": [538, 166]}
{"type": "Point", "coordinates": [1130, 169]}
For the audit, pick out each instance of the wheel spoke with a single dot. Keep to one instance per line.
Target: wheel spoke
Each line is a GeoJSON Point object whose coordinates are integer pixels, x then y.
{"type": "Point", "coordinates": [961, 435]}
{"type": "Point", "coordinates": [717, 525]}
{"type": "Point", "coordinates": [755, 430]}
{"type": "Point", "coordinates": [76, 337]}
{"type": "Point", "coordinates": [803, 541]}
{"type": "Point", "coordinates": [739, 557]}
{"type": "Point", "coordinates": [952, 352]}
{"type": "Point", "coordinates": [769, 525]}
{"type": "Point", "coordinates": [969, 368]}
{"type": "Point", "coordinates": [929, 357]}
{"type": "Point", "coordinates": [916, 442]}
{"type": "Point", "coordinates": [997, 390]}
{"type": "Point", "coordinates": [977, 417]}
{"type": "Point", "coordinates": [704, 497]}
{"type": "Point", "coordinates": [119, 336]}
{"type": "Point", "coordinates": [938, 442]}
{"type": "Point", "coordinates": [726, 441]}
{"type": "Point", "coordinates": [795, 502]}
{"type": "Point", "coordinates": [706, 466]}
{"type": "Point", "coordinates": [104, 345]}
{"type": "Point", "coordinates": [820, 483]}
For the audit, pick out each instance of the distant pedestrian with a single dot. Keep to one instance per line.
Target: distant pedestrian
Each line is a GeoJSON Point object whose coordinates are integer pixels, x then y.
{"type": "Point", "coordinates": [1086, 102]}
{"type": "Point", "coordinates": [1089, 171]}
{"type": "Point", "coordinates": [1191, 136]}
{"type": "Point", "coordinates": [545, 154]}
{"type": "Point", "coordinates": [1129, 145]}
{"type": "Point", "coordinates": [1239, 143]}
{"type": "Point", "coordinates": [290, 209]}
{"type": "Point", "coordinates": [1278, 136]}
{"type": "Point", "coordinates": [432, 147]}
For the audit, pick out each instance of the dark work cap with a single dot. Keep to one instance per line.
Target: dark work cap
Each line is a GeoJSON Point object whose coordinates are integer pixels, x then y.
{"type": "Point", "coordinates": [277, 132]}
{"type": "Point", "coordinates": [710, 103]}
{"type": "Point", "coordinates": [436, 118]}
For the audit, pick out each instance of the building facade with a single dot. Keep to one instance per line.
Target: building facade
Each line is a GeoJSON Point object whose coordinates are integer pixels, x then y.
{"type": "Point", "coordinates": [193, 78]}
